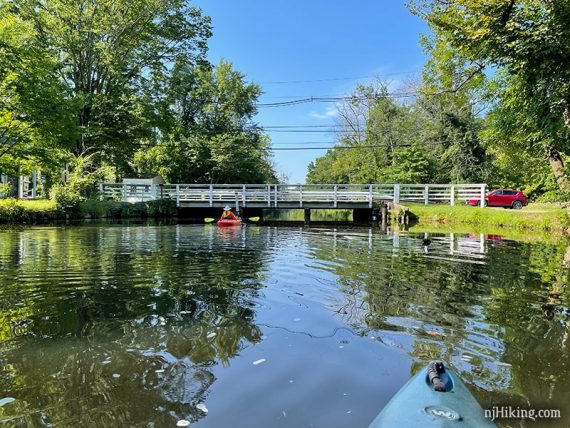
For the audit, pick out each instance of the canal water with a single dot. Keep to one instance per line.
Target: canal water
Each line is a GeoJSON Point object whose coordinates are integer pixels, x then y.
{"type": "Point", "coordinates": [150, 326]}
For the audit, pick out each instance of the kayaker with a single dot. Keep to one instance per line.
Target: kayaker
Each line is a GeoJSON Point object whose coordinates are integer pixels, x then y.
{"type": "Point", "coordinates": [228, 214]}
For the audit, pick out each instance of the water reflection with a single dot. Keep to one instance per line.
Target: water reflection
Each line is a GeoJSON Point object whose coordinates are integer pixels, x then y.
{"type": "Point", "coordinates": [495, 308]}
{"type": "Point", "coordinates": [142, 325]}
{"type": "Point", "coordinates": [94, 319]}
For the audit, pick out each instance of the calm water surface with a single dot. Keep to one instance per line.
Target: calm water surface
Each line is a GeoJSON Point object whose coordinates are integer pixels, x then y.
{"type": "Point", "coordinates": [269, 326]}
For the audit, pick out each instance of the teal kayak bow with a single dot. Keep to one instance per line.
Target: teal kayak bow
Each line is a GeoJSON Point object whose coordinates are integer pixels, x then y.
{"type": "Point", "coordinates": [435, 397]}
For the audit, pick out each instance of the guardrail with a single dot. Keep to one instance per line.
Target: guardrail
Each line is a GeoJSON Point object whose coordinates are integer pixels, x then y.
{"type": "Point", "coordinates": [292, 195]}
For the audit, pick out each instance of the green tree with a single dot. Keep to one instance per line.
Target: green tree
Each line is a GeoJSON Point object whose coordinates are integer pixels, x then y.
{"type": "Point", "coordinates": [212, 135]}
{"type": "Point", "coordinates": [35, 110]}
{"type": "Point", "coordinates": [452, 95]}
{"type": "Point", "coordinates": [108, 53]}
{"type": "Point", "coordinates": [514, 139]}
{"type": "Point", "coordinates": [380, 142]}
{"type": "Point", "coordinates": [530, 40]}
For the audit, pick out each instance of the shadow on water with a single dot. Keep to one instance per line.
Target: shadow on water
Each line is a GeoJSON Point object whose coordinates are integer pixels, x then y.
{"type": "Point", "coordinates": [147, 325]}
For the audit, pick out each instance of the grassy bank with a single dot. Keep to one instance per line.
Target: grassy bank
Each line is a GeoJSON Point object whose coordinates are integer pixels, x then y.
{"type": "Point", "coordinates": [544, 217]}
{"type": "Point", "coordinates": [44, 211]}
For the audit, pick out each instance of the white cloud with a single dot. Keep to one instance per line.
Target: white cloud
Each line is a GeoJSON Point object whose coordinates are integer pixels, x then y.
{"type": "Point", "coordinates": [329, 113]}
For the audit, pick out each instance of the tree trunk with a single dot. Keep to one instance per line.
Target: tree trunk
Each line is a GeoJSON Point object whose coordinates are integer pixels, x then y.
{"type": "Point", "coordinates": [557, 165]}
{"type": "Point", "coordinates": [566, 115]}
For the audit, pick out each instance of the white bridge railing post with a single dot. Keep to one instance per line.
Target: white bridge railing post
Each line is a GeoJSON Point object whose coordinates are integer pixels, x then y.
{"type": "Point", "coordinates": [335, 196]}
{"type": "Point", "coordinates": [269, 195]}
{"type": "Point", "coordinates": [370, 196]}
{"type": "Point", "coordinates": [276, 195]}
{"type": "Point", "coordinates": [301, 195]}
{"type": "Point", "coordinates": [396, 193]}
{"type": "Point", "coordinates": [211, 195]}
{"type": "Point", "coordinates": [452, 196]}
{"type": "Point", "coordinates": [125, 195]}
{"type": "Point", "coordinates": [482, 204]}
{"type": "Point", "coordinates": [426, 194]}
{"type": "Point", "coordinates": [177, 195]}
{"type": "Point", "coordinates": [243, 196]}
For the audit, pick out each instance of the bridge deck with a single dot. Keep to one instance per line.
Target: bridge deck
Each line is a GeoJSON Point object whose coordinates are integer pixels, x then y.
{"type": "Point", "coordinates": [289, 196]}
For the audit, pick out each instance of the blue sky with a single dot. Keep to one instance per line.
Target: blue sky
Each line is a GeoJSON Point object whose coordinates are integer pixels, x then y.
{"type": "Point", "coordinates": [329, 45]}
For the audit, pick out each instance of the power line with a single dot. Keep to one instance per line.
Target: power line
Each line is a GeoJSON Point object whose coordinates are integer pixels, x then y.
{"type": "Point", "coordinates": [334, 79]}
{"type": "Point", "coordinates": [337, 99]}
{"type": "Point", "coordinates": [335, 147]}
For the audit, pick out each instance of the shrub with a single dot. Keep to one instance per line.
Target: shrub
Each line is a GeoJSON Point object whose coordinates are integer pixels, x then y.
{"type": "Point", "coordinates": [66, 199]}
{"type": "Point", "coordinates": [11, 210]}
{"type": "Point", "coordinates": [161, 208]}
{"type": "Point", "coordinates": [5, 189]}
{"type": "Point", "coordinates": [94, 208]}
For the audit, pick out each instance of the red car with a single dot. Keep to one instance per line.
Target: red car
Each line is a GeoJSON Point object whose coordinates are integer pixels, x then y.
{"type": "Point", "coordinates": [506, 198]}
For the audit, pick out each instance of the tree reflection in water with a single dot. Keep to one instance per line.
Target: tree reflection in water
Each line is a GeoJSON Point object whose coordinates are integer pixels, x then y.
{"type": "Point", "coordinates": [475, 302]}
{"type": "Point", "coordinates": [125, 322]}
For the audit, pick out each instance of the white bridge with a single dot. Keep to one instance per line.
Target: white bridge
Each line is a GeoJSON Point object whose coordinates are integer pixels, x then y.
{"type": "Point", "coordinates": [291, 196]}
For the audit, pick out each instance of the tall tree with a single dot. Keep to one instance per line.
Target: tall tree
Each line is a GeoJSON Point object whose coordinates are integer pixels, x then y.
{"type": "Point", "coordinates": [451, 99]}
{"type": "Point", "coordinates": [108, 52]}
{"type": "Point", "coordinates": [379, 138]}
{"type": "Point", "coordinates": [212, 137]}
{"type": "Point", "coordinates": [528, 38]}
{"type": "Point", "coordinates": [35, 109]}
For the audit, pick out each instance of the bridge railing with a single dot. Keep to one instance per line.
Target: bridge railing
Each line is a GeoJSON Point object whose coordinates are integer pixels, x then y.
{"type": "Point", "coordinates": [274, 195]}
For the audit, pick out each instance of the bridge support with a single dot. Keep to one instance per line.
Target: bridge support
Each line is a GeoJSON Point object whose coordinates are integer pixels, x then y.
{"type": "Point", "coordinates": [307, 216]}
{"type": "Point", "coordinates": [384, 215]}
{"type": "Point", "coordinates": [362, 215]}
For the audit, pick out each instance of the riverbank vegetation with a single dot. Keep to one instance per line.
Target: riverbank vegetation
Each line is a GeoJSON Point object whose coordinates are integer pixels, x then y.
{"type": "Point", "coordinates": [44, 211]}
{"type": "Point", "coordinates": [540, 217]}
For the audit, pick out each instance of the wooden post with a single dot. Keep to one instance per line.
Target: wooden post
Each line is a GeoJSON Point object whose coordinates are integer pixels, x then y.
{"type": "Point", "coordinates": [177, 195]}
{"type": "Point", "coordinates": [370, 196]}
{"type": "Point", "coordinates": [301, 195]}
{"type": "Point", "coordinates": [426, 194]}
{"type": "Point", "coordinates": [211, 195]}
{"type": "Point", "coordinates": [452, 196]}
{"type": "Point", "coordinates": [482, 204]}
{"type": "Point", "coordinates": [384, 214]}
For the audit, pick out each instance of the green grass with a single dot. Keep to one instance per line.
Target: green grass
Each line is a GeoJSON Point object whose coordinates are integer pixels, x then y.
{"type": "Point", "coordinates": [545, 217]}
{"type": "Point", "coordinates": [16, 211]}
{"type": "Point", "coordinates": [21, 211]}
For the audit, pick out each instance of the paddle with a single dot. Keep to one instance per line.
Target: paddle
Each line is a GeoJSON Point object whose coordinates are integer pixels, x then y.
{"type": "Point", "coordinates": [210, 219]}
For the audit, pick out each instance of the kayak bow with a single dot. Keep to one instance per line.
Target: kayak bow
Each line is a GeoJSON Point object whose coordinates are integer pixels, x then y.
{"type": "Point", "coordinates": [435, 397]}
{"type": "Point", "coordinates": [229, 222]}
